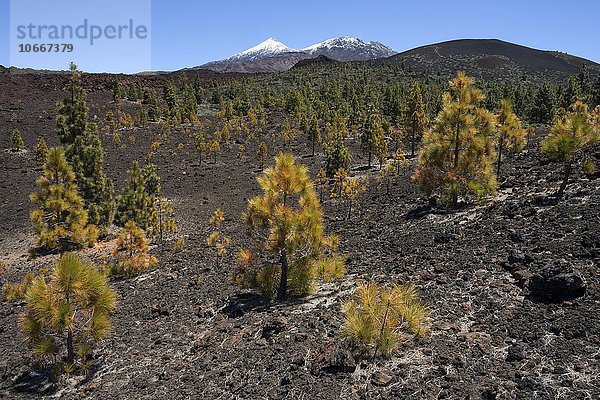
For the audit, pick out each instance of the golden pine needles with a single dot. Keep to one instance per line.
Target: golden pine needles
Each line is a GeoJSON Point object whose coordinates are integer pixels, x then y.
{"type": "Point", "coordinates": [286, 222]}
{"type": "Point", "coordinates": [41, 152]}
{"type": "Point", "coordinates": [217, 239]}
{"type": "Point", "coordinates": [16, 291]}
{"type": "Point", "coordinates": [132, 252]}
{"type": "Point", "coordinates": [72, 309]}
{"type": "Point", "coordinates": [458, 152]}
{"type": "Point", "coordinates": [571, 138]}
{"type": "Point", "coordinates": [378, 318]}
{"type": "Point", "coordinates": [60, 219]}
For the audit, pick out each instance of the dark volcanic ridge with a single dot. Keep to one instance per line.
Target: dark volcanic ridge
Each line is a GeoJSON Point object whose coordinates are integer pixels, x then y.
{"type": "Point", "coordinates": [320, 60]}
{"type": "Point", "coordinates": [490, 59]}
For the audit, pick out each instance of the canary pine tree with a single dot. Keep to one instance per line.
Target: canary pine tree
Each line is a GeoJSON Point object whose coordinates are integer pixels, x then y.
{"type": "Point", "coordinates": [288, 133]}
{"type": "Point", "coordinates": [86, 156]}
{"type": "Point", "coordinates": [351, 188]}
{"type": "Point", "coordinates": [132, 252]}
{"type": "Point", "coordinates": [458, 152]}
{"type": "Point", "coordinates": [339, 178]}
{"type": "Point", "coordinates": [415, 117]}
{"type": "Point", "coordinates": [262, 154]}
{"type": "Point", "coordinates": [71, 311]}
{"type": "Point", "coordinates": [72, 112]}
{"type": "Point", "coordinates": [217, 239]}
{"type": "Point", "coordinates": [137, 200]}
{"type": "Point", "coordinates": [286, 223]}
{"type": "Point", "coordinates": [163, 220]}
{"type": "Point", "coordinates": [322, 181]}
{"type": "Point", "coordinates": [336, 155]}
{"type": "Point", "coordinates": [509, 132]}
{"type": "Point", "coordinates": [41, 152]}
{"type": "Point", "coordinates": [384, 177]}
{"type": "Point", "coordinates": [60, 220]}
{"type": "Point", "coordinates": [17, 142]}
{"type": "Point", "coordinates": [399, 160]}
{"type": "Point", "coordinates": [376, 316]}
{"type": "Point", "coordinates": [85, 153]}
{"type": "Point", "coordinates": [372, 138]}
{"type": "Point", "coordinates": [570, 139]}
{"type": "Point", "coordinates": [314, 133]}
{"type": "Point", "coordinates": [201, 145]}
{"type": "Point", "coordinates": [543, 105]}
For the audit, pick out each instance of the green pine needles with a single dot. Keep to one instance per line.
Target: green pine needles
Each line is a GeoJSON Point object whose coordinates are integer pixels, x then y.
{"type": "Point", "coordinates": [286, 225]}
{"type": "Point", "coordinates": [380, 318]}
{"type": "Point", "coordinates": [70, 312]}
{"type": "Point", "coordinates": [60, 220]}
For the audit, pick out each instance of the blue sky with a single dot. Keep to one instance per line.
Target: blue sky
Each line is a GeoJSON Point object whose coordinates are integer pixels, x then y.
{"type": "Point", "coordinates": [189, 33]}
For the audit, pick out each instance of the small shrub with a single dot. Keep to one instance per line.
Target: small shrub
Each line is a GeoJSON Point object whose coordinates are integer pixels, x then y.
{"type": "Point", "coordinates": [178, 245]}
{"type": "Point", "coordinates": [132, 252]}
{"type": "Point", "coordinates": [378, 318]}
{"type": "Point", "coordinates": [17, 142]}
{"type": "Point", "coordinates": [41, 152]}
{"type": "Point", "coordinates": [262, 154]}
{"type": "Point", "coordinates": [71, 311]}
{"type": "Point", "coordinates": [217, 238]}
{"type": "Point", "coordinates": [16, 291]}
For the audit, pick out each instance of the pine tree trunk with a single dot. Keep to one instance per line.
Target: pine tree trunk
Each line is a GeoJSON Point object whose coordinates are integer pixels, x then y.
{"type": "Point", "coordinates": [160, 226]}
{"type": "Point", "coordinates": [500, 148]}
{"type": "Point", "coordinates": [456, 153]}
{"type": "Point", "coordinates": [387, 309]}
{"type": "Point", "coordinates": [563, 185]}
{"type": "Point", "coordinates": [70, 351]}
{"type": "Point", "coordinates": [412, 141]}
{"type": "Point", "coordinates": [282, 291]}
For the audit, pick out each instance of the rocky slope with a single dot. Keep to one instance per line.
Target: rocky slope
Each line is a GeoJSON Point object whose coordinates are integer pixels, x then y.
{"type": "Point", "coordinates": [491, 59]}
{"type": "Point", "coordinates": [183, 331]}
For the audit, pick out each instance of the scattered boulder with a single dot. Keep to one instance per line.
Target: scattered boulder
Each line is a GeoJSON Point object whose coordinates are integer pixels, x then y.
{"type": "Point", "coordinates": [382, 377]}
{"type": "Point", "coordinates": [515, 236]}
{"type": "Point", "coordinates": [277, 325]}
{"type": "Point", "coordinates": [334, 357]}
{"type": "Point", "coordinates": [517, 263]}
{"type": "Point", "coordinates": [516, 352]}
{"type": "Point", "coordinates": [159, 310]}
{"type": "Point", "coordinates": [590, 244]}
{"type": "Point", "coordinates": [522, 276]}
{"type": "Point", "coordinates": [556, 281]}
{"type": "Point", "coordinates": [443, 238]}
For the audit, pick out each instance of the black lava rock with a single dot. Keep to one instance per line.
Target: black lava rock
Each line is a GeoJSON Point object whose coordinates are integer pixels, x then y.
{"type": "Point", "coordinates": [557, 281]}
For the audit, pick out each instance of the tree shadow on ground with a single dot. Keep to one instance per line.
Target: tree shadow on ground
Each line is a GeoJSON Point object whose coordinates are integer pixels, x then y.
{"type": "Point", "coordinates": [243, 303]}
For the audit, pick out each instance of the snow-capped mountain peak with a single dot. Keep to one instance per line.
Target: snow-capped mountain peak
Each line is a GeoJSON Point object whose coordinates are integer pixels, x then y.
{"type": "Point", "coordinates": [349, 48]}
{"type": "Point", "coordinates": [345, 41]}
{"type": "Point", "coordinates": [272, 55]}
{"type": "Point", "coordinates": [268, 48]}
